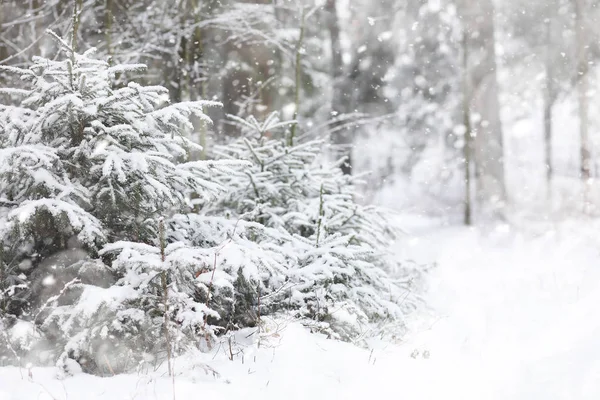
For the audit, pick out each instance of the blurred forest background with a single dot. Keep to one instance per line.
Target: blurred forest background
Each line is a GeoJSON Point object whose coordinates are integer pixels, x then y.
{"type": "Point", "coordinates": [460, 108]}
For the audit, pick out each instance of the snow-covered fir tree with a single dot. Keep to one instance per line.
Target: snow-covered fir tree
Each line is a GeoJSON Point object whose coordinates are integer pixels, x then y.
{"type": "Point", "coordinates": [339, 272]}
{"type": "Point", "coordinates": [90, 170]}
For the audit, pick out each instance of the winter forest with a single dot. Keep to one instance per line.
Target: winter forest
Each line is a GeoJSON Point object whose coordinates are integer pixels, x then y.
{"type": "Point", "coordinates": [321, 199]}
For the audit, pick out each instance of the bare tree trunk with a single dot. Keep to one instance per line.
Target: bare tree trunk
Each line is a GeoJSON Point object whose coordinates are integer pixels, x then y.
{"type": "Point", "coordinates": [549, 98]}
{"type": "Point", "coordinates": [3, 46]}
{"type": "Point", "coordinates": [468, 217]}
{"type": "Point", "coordinates": [298, 75]}
{"type": "Point", "coordinates": [337, 66]}
{"type": "Point", "coordinates": [36, 26]}
{"type": "Point", "coordinates": [181, 61]}
{"type": "Point", "coordinates": [342, 138]}
{"type": "Point", "coordinates": [108, 17]}
{"type": "Point", "coordinates": [582, 88]}
{"type": "Point", "coordinates": [77, 9]}
{"type": "Point", "coordinates": [198, 89]}
{"type": "Point", "coordinates": [488, 145]}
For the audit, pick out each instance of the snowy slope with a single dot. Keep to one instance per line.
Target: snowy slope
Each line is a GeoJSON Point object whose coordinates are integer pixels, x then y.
{"type": "Point", "coordinates": [513, 316]}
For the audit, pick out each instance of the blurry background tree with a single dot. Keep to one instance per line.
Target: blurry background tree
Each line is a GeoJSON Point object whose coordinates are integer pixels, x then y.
{"type": "Point", "coordinates": [384, 78]}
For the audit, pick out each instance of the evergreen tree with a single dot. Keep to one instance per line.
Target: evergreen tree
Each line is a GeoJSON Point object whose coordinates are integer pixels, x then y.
{"type": "Point", "coordinates": [86, 163]}
{"type": "Point", "coordinates": [341, 261]}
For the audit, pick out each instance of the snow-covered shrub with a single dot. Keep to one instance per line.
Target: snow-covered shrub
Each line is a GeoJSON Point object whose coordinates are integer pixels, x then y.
{"type": "Point", "coordinates": [338, 271]}
{"type": "Point", "coordinates": [90, 167]}
{"type": "Point", "coordinates": [17, 340]}
{"type": "Point", "coordinates": [247, 268]}
{"type": "Point", "coordinates": [154, 307]}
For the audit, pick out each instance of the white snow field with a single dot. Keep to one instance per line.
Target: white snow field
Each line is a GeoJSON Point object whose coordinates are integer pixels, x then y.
{"type": "Point", "coordinates": [513, 315]}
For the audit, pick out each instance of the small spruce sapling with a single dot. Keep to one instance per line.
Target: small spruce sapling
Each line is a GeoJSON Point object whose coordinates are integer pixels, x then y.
{"type": "Point", "coordinates": [340, 271]}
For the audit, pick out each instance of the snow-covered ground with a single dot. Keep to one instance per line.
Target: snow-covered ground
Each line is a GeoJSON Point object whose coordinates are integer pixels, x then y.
{"type": "Point", "coordinates": [513, 315]}
{"type": "Point", "coordinates": [516, 312]}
